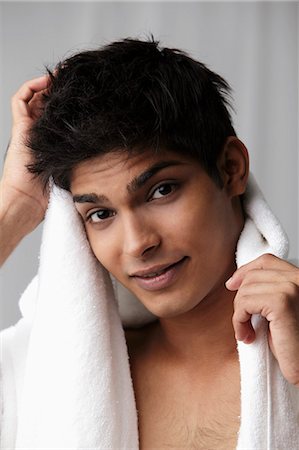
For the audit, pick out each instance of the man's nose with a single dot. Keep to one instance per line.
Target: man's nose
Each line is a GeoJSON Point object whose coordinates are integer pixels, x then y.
{"type": "Point", "coordinates": [141, 237]}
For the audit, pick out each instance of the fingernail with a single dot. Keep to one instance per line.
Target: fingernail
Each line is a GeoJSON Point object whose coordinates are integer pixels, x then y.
{"type": "Point", "coordinates": [228, 281]}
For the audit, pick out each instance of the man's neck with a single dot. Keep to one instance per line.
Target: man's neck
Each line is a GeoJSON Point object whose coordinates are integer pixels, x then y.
{"type": "Point", "coordinates": [202, 336]}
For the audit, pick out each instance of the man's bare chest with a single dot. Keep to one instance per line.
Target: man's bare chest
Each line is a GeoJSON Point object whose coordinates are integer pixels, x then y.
{"type": "Point", "coordinates": [178, 411]}
{"type": "Point", "coordinates": [174, 423]}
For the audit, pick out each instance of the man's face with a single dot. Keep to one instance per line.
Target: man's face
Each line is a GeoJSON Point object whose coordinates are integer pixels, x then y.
{"type": "Point", "coordinates": [159, 225]}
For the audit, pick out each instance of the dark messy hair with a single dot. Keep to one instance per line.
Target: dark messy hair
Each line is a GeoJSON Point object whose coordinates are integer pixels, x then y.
{"type": "Point", "coordinates": [130, 95]}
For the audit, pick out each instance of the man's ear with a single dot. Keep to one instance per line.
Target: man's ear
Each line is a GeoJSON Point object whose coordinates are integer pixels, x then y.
{"type": "Point", "coordinates": [233, 166]}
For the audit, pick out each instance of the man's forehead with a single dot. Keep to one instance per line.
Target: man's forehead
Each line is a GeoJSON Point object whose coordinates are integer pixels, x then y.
{"type": "Point", "coordinates": [118, 163]}
{"type": "Point", "coordinates": [130, 173]}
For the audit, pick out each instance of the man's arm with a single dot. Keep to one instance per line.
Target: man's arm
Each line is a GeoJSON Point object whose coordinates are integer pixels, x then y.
{"type": "Point", "coordinates": [23, 201]}
{"type": "Point", "coordinates": [13, 227]}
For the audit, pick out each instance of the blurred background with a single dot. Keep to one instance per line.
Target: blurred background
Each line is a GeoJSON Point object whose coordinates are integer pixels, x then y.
{"type": "Point", "coordinates": [253, 45]}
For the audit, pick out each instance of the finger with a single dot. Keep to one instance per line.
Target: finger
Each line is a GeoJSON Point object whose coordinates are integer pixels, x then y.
{"type": "Point", "coordinates": [26, 92]}
{"type": "Point", "coordinates": [29, 88]}
{"type": "Point", "coordinates": [243, 328]}
{"type": "Point", "coordinates": [279, 307]}
{"type": "Point", "coordinates": [284, 344]}
{"type": "Point", "coordinates": [245, 307]}
{"type": "Point", "coordinates": [37, 104]}
{"type": "Point", "coordinates": [257, 276]}
{"type": "Point", "coordinates": [264, 287]}
{"type": "Point", "coordinates": [264, 262]}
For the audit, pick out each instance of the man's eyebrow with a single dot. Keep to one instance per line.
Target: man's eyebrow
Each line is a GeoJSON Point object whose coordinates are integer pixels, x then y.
{"type": "Point", "coordinates": [133, 186]}
{"type": "Point", "coordinates": [141, 179]}
{"type": "Point", "coordinates": [90, 198]}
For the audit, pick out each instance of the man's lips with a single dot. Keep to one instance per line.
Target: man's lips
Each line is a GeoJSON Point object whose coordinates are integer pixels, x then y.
{"type": "Point", "coordinates": [155, 270]}
{"type": "Point", "coordinates": [159, 277]}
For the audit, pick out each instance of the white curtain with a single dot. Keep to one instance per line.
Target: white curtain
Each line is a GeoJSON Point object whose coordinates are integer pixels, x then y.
{"type": "Point", "coordinates": [253, 45]}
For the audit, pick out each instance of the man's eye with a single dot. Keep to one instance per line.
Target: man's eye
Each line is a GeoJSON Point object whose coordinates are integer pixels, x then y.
{"type": "Point", "coordinates": [163, 190]}
{"type": "Point", "coordinates": [100, 215]}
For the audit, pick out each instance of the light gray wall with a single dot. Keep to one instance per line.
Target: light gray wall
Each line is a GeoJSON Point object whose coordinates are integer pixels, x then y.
{"type": "Point", "coordinates": [253, 45]}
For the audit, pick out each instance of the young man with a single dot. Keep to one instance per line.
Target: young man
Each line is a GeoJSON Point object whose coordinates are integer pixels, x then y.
{"type": "Point", "coordinates": [142, 138]}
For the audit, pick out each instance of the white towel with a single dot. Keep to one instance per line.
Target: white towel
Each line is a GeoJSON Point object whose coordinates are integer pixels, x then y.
{"type": "Point", "coordinates": [269, 404]}
{"type": "Point", "coordinates": [77, 391]}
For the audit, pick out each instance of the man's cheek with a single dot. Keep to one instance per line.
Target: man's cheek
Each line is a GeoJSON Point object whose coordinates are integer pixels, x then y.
{"type": "Point", "coordinates": [100, 253]}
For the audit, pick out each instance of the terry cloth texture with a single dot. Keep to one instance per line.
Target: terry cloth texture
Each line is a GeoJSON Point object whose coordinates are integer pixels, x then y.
{"type": "Point", "coordinates": [65, 375]}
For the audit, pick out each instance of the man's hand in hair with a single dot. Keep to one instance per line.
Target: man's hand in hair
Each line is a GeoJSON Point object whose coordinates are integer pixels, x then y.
{"type": "Point", "coordinates": [23, 201]}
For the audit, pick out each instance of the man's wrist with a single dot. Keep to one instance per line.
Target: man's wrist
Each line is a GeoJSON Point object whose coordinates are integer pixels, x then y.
{"type": "Point", "coordinates": [17, 219]}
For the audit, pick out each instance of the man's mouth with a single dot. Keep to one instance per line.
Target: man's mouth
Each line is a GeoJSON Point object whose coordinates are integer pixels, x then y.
{"type": "Point", "coordinates": [155, 270]}
{"type": "Point", "coordinates": [155, 274]}
{"type": "Point", "coordinates": [159, 277]}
